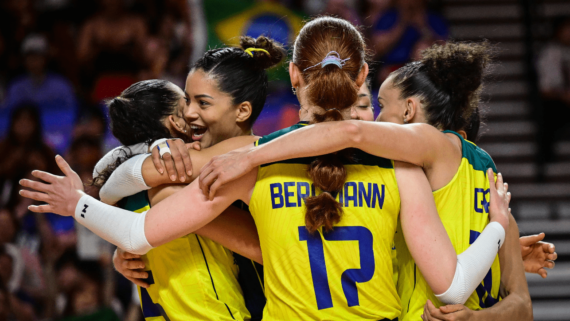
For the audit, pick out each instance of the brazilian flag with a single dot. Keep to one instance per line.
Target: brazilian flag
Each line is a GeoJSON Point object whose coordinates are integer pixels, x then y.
{"type": "Point", "coordinates": [230, 19]}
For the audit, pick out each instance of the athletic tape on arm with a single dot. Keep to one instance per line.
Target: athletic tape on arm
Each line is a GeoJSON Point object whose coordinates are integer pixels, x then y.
{"type": "Point", "coordinates": [120, 227]}
{"type": "Point", "coordinates": [473, 264]}
{"type": "Point", "coordinates": [126, 180]}
{"type": "Point", "coordinates": [115, 153]}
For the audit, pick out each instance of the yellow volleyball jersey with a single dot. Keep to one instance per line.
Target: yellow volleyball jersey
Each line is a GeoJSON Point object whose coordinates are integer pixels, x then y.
{"type": "Point", "coordinates": [344, 274]}
{"type": "Point", "coordinates": [463, 206]}
{"type": "Point", "coordinates": [191, 278]}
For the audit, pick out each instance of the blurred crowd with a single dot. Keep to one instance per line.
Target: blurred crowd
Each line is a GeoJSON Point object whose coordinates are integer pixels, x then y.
{"type": "Point", "coordinates": [59, 61]}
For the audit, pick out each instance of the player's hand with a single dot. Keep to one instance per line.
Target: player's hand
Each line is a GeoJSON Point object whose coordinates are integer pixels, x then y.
{"type": "Point", "coordinates": [131, 266]}
{"type": "Point", "coordinates": [177, 162]}
{"type": "Point", "coordinates": [537, 255]}
{"type": "Point", "coordinates": [223, 169]}
{"type": "Point", "coordinates": [62, 193]}
{"type": "Point", "coordinates": [499, 199]}
{"type": "Point", "coordinates": [454, 312]}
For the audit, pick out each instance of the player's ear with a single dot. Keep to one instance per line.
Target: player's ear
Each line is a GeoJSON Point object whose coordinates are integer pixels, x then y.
{"type": "Point", "coordinates": [295, 75]}
{"type": "Point", "coordinates": [176, 125]}
{"type": "Point", "coordinates": [410, 109]}
{"type": "Point", "coordinates": [362, 75]}
{"type": "Point", "coordinates": [243, 111]}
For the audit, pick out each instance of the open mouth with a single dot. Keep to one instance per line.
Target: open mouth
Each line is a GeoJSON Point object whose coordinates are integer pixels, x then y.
{"type": "Point", "coordinates": [197, 132]}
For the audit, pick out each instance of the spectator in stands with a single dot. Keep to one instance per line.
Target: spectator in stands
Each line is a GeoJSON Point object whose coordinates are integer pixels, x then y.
{"type": "Point", "coordinates": [86, 298]}
{"type": "Point", "coordinates": [553, 70]}
{"type": "Point", "coordinates": [344, 10]}
{"type": "Point", "coordinates": [402, 30]}
{"type": "Point", "coordinates": [112, 41]}
{"type": "Point", "coordinates": [84, 153]}
{"type": "Point", "coordinates": [47, 90]}
{"type": "Point", "coordinates": [22, 150]}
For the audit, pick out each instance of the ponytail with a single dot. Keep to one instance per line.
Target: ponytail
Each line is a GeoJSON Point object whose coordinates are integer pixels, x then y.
{"type": "Point", "coordinates": [330, 52]}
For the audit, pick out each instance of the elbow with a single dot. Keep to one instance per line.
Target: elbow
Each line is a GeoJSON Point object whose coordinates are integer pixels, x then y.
{"type": "Point", "coordinates": [526, 307]}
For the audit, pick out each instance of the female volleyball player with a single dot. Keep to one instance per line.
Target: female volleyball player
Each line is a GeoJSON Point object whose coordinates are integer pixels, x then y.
{"type": "Point", "coordinates": [234, 106]}
{"type": "Point", "coordinates": [301, 283]}
{"type": "Point", "coordinates": [442, 90]}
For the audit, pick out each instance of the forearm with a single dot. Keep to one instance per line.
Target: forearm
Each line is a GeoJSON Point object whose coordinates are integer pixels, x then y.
{"type": "Point", "coordinates": [199, 158]}
{"type": "Point", "coordinates": [126, 180]}
{"type": "Point", "coordinates": [379, 139]}
{"type": "Point", "coordinates": [121, 151]}
{"type": "Point", "coordinates": [235, 229]}
{"type": "Point", "coordinates": [517, 304]}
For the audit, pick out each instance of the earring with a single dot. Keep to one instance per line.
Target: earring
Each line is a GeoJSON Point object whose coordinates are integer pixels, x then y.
{"type": "Point", "coordinates": [294, 90]}
{"type": "Point", "coordinates": [405, 121]}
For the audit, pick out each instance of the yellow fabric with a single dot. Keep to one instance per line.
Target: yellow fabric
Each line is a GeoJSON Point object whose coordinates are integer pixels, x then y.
{"type": "Point", "coordinates": [193, 278]}
{"type": "Point", "coordinates": [369, 219]}
{"type": "Point", "coordinates": [462, 208]}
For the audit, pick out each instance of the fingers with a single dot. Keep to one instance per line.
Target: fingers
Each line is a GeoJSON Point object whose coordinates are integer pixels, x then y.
{"type": "Point", "coordinates": [542, 272]}
{"type": "Point", "coordinates": [170, 170]}
{"type": "Point", "coordinates": [549, 264]}
{"type": "Point", "coordinates": [194, 145]}
{"type": "Point", "coordinates": [46, 208]}
{"type": "Point", "coordinates": [156, 161]}
{"type": "Point", "coordinates": [128, 255]}
{"type": "Point", "coordinates": [179, 162]}
{"type": "Point", "coordinates": [547, 247]}
{"type": "Point", "coordinates": [134, 264]}
{"type": "Point", "coordinates": [491, 177]}
{"type": "Point", "coordinates": [138, 282]}
{"type": "Point", "coordinates": [451, 308]}
{"type": "Point", "coordinates": [38, 186]}
{"type": "Point", "coordinates": [214, 188]}
{"type": "Point", "coordinates": [44, 176]}
{"type": "Point", "coordinates": [500, 184]}
{"type": "Point", "coordinates": [552, 257]}
{"type": "Point", "coordinates": [531, 239]}
{"type": "Point", "coordinates": [186, 161]}
{"type": "Point", "coordinates": [205, 178]}
{"type": "Point", "coordinates": [64, 166]}
{"type": "Point", "coordinates": [42, 197]}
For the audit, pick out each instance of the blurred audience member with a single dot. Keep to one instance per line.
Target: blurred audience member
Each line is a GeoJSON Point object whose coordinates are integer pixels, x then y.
{"type": "Point", "coordinates": [47, 90]}
{"type": "Point", "coordinates": [23, 149]}
{"type": "Point", "coordinates": [17, 20]}
{"type": "Point", "coordinates": [554, 80]}
{"type": "Point", "coordinates": [52, 93]}
{"type": "Point", "coordinates": [372, 10]}
{"type": "Point", "coordinates": [111, 42]}
{"type": "Point", "coordinates": [86, 301]}
{"type": "Point", "coordinates": [92, 124]}
{"type": "Point", "coordinates": [343, 9]}
{"type": "Point", "coordinates": [84, 153]}
{"type": "Point", "coordinates": [402, 30]}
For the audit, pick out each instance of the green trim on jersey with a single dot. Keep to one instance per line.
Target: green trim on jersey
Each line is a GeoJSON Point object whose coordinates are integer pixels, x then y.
{"type": "Point", "coordinates": [477, 157]}
{"type": "Point", "coordinates": [135, 202]}
{"type": "Point", "coordinates": [358, 157]}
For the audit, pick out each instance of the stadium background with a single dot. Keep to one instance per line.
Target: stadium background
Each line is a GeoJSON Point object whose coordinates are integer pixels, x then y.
{"type": "Point", "coordinates": [63, 58]}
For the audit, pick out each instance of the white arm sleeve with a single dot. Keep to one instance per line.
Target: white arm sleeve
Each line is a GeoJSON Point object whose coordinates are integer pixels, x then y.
{"type": "Point", "coordinates": [126, 180]}
{"type": "Point", "coordinates": [115, 153]}
{"type": "Point", "coordinates": [120, 227]}
{"type": "Point", "coordinates": [473, 264]}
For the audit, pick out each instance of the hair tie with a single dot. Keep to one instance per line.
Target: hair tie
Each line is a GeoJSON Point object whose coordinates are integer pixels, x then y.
{"type": "Point", "coordinates": [251, 49]}
{"type": "Point", "coordinates": [332, 58]}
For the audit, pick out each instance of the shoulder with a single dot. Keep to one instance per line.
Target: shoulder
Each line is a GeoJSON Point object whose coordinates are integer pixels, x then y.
{"type": "Point", "coordinates": [279, 133]}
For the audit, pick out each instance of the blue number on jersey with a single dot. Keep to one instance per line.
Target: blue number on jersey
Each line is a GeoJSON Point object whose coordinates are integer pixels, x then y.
{"type": "Point", "coordinates": [487, 285]}
{"type": "Point", "coordinates": [349, 277]}
{"type": "Point", "coordinates": [149, 308]}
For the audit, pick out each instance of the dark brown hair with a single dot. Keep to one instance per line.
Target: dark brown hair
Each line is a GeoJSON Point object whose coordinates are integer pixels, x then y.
{"type": "Point", "coordinates": [448, 80]}
{"type": "Point", "coordinates": [333, 89]}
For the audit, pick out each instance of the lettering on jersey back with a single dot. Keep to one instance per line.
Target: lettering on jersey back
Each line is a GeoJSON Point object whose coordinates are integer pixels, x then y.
{"type": "Point", "coordinates": [481, 203]}
{"type": "Point", "coordinates": [354, 194]}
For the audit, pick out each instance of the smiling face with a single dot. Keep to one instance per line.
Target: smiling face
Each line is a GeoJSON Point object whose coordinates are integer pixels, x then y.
{"type": "Point", "coordinates": [211, 112]}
